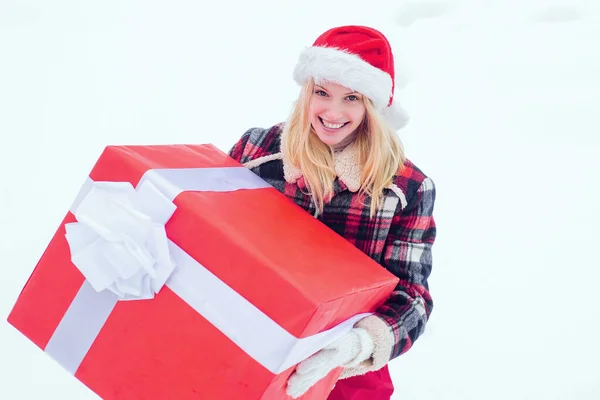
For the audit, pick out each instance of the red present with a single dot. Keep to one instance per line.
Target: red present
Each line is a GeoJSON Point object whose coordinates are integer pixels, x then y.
{"type": "Point", "coordinates": [258, 285]}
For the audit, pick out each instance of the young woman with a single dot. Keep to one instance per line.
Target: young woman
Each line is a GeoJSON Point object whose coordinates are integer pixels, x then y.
{"type": "Point", "coordinates": [338, 156]}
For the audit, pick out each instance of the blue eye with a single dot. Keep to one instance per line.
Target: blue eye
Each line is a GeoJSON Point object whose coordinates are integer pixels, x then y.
{"type": "Point", "coordinates": [353, 98]}
{"type": "Point", "coordinates": [320, 93]}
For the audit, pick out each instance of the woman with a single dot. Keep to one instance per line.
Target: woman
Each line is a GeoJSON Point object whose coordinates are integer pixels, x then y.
{"type": "Point", "coordinates": [338, 157]}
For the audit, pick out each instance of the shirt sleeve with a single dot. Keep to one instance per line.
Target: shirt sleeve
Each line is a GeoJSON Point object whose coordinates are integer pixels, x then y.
{"type": "Point", "coordinates": [407, 254]}
{"type": "Point", "coordinates": [256, 143]}
{"type": "Point", "coordinates": [237, 152]}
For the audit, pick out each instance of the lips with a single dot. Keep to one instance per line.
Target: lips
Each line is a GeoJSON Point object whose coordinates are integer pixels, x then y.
{"type": "Point", "coordinates": [332, 126]}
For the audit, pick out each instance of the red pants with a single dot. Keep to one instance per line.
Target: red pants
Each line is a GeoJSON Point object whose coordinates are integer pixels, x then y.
{"type": "Point", "coordinates": [376, 385]}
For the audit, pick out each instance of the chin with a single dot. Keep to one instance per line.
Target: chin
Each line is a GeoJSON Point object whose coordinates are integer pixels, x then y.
{"type": "Point", "coordinates": [328, 139]}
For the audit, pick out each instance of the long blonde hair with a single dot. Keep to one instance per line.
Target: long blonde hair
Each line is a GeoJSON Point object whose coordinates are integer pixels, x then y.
{"type": "Point", "coordinates": [379, 152]}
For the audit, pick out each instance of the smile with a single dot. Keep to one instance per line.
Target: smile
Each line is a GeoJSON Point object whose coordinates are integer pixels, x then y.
{"type": "Point", "coordinates": [330, 125]}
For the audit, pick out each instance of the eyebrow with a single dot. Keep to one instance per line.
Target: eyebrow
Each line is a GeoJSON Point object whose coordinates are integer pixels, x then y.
{"type": "Point", "coordinates": [355, 92]}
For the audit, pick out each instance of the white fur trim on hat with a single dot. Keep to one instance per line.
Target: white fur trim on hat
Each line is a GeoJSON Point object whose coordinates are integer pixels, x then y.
{"type": "Point", "coordinates": [349, 70]}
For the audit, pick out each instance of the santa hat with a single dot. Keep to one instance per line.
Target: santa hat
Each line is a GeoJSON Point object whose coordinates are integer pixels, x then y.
{"type": "Point", "coordinates": [359, 58]}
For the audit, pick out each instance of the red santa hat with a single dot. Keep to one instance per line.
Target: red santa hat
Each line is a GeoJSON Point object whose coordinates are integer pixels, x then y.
{"type": "Point", "coordinates": [359, 58]}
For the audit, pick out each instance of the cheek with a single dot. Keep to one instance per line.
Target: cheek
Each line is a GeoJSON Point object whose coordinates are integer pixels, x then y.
{"type": "Point", "coordinates": [316, 108]}
{"type": "Point", "coordinates": [358, 114]}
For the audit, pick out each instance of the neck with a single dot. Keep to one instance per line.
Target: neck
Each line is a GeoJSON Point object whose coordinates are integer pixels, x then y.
{"type": "Point", "coordinates": [345, 142]}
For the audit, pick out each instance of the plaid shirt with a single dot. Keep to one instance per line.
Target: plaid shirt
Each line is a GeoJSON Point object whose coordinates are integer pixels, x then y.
{"type": "Point", "coordinates": [399, 236]}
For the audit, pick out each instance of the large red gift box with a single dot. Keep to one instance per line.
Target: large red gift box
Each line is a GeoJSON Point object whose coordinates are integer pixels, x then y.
{"type": "Point", "coordinates": [258, 285]}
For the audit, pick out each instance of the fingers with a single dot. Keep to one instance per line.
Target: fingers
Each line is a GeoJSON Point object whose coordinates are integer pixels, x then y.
{"type": "Point", "coordinates": [310, 371]}
{"type": "Point", "coordinates": [299, 384]}
{"type": "Point", "coordinates": [317, 366]}
{"type": "Point", "coordinates": [320, 360]}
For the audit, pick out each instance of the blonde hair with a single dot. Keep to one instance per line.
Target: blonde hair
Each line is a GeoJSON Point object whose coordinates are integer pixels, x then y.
{"type": "Point", "coordinates": [379, 152]}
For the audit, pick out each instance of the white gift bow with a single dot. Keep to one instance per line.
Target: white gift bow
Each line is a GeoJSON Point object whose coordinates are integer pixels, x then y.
{"type": "Point", "coordinates": [242, 322]}
{"type": "Point", "coordinates": [119, 242]}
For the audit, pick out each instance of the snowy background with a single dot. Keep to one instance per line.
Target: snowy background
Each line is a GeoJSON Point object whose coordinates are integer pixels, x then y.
{"type": "Point", "coordinates": [504, 97]}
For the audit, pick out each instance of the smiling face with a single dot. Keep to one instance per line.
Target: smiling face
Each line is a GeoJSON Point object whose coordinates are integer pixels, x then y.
{"type": "Point", "coordinates": [335, 112]}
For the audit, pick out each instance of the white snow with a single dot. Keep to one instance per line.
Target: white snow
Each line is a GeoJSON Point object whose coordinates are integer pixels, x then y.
{"type": "Point", "coordinates": [503, 97]}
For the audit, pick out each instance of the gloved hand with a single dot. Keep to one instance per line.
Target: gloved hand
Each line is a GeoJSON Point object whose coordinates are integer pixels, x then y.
{"type": "Point", "coordinates": [347, 351]}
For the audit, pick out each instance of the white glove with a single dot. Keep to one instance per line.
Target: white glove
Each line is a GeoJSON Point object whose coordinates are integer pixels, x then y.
{"type": "Point", "coordinates": [349, 350]}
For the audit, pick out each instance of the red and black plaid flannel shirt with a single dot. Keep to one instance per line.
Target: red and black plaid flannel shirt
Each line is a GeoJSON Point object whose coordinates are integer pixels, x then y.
{"type": "Point", "coordinates": [399, 238]}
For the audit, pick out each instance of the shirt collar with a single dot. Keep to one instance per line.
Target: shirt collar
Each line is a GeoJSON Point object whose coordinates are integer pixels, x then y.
{"type": "Point", "coordinates": [345, 166]}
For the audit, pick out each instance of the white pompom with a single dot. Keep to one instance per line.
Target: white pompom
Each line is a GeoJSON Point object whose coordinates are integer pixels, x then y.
{"type": "Point", "coordinates": [396, 115]}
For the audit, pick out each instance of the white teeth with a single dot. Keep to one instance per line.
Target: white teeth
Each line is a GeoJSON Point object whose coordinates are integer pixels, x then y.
{"type": "Point", "coordinates": [332, 126]}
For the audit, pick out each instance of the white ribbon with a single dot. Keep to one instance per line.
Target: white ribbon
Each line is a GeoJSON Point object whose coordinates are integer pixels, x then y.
{"type": "Point", "coordinates": [242, 322]}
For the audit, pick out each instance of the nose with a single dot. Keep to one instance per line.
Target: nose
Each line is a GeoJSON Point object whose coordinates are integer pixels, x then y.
{"type": "Point", "coordinates": [335, 112]}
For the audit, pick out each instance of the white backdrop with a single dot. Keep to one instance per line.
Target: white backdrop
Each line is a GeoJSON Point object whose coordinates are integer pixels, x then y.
{"type": "Point", "coordinates": [503, 96]}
